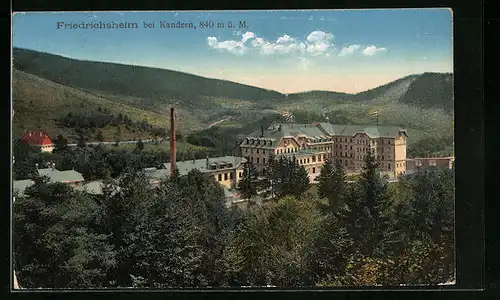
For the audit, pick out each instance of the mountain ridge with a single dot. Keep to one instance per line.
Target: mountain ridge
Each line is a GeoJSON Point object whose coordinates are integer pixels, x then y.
{"type": "Point", "coordinates": [38, 54]}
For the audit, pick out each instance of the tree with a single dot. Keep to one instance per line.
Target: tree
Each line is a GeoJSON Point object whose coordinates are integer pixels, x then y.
{"type": "Point", "coordinates": [424, 223]}
{"type": "Point", "coordinates": [247, 186]}
{"type": "Point", "coordinates": [329, 255]}
{"type": "Point", "coordinates": [299, 181]}
{"type": "Point", "coordinates": [23, 166]}
{"type": "Point", "coordinates": [81, 141]}
{"type": "Point", "coordinates": [288, 177]}
{"type": "Point", "coordinates": [57, 241]}
{"type": "Point", "coordinates": [368, 206]}
{"type": "Point", "coordinates": [332, 185]}
{"type": "Point", "coordinates": [270, 246]}
{"type": "Point", "coordinates": [125, 205]}
{"type": "Point", "coordinates": [100, 137]}
{"type": "Point", "coordinates": [187, 220]}
{"type": "Point", "coordinates": [61, 144]}
{"type": "Point", "coordinates": [140, 145]}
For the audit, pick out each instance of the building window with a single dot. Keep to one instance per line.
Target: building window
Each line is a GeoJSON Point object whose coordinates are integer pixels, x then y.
{"type": "Point", "coordinates": [231, 175]}
{"type": "Point", "coordinates": [383, 157]}
{"type": "Point", "coordinates": [389, 167]}
{"type": "Point", "coordinates": [257, 151]}
{"type": "Point", "coordinates": [251, 159]}
{"type": "Point", "coordinates": [263, 160]}
{"type": "Point", "coordinates": [314, 158]}
{"type": "Point", "coordinates": [300, 161]}
{"type": "Point", "coordinates": [263, 151]}
{"type": "Point", "coordinates": [220, 177]}
{"type": "Point", "coordinates": [251, 150]}
{"type": "Point", "coordinates": [225, 176]}
{"type": "Point", "coordinates": [241, 174]}
{"type": "Point", "coordinates": [258, 160]}
{"type": "Point", "coordinates": [314, 170]}
{"type": "Point", "coordinates": [351, 147]}
{"type": "Point", "coordinates": [345, 162]}
{"type": "Point", "coordinates": [308, 160]}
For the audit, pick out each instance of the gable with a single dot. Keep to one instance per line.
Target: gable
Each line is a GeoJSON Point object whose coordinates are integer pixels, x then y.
{"type": "Point", "coordinates": [287, 142]}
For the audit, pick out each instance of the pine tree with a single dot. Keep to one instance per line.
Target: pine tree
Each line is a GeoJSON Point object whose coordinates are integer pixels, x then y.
{"type": "Point", "coordinates": [61, 144]}
{"type": "Point", "coordinates": [81, 141]}
{"type": "Point", "coordinates": [333, 185]}
{"type": "Point", "coordinates": [247, 186]}
{"type": "Point", "coordinates": [299, 181]}
{"type": "Point", "coordinates": [100, 137]}
{"type": "Point", "coordinates": [368, 207]}
{"type": "Point", "coordinates": [140, 145]}
{"type": "Point", "coordinates": [325, 186]}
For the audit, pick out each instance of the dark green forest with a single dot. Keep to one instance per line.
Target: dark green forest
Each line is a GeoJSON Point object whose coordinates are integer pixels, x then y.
{"type": "Point", "coordinates": [180, 234]}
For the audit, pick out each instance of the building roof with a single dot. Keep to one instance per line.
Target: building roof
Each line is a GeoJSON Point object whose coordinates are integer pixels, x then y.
{"type": "Point", "coordinates": [93, 187]}
{"type": "Point", "coordinates": [21, 185]}
{"type": "Point", "coordinates": [36, 138]}
{"type": "Point", "coordinates": [61, 176]}
{"type": "Point", "coordinates": [184, 167]}
{"type": "Point", "coordinates": [280, 130]}
{"type": "Point", "coordinates": [371, 130]}
{"type": "Point", "coordinates": [323, 131]}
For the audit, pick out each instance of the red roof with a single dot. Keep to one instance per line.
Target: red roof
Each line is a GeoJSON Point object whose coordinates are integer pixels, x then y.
{"type": "Point", "coordinates": [36, 138]}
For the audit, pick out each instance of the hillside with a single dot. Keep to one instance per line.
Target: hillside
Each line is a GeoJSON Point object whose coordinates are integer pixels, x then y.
{"type": "Point", "coordinates": [429, 90]}
{"type": "Point", "coordinates": [153, 86]}
{"type": "Point", "coordinates": [47, 87]}
{"type": "Point", "coordinates": [39, 104]}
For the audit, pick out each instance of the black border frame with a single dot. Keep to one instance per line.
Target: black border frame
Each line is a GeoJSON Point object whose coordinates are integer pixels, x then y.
{"type": "Point", "coordinates": [469, 127]}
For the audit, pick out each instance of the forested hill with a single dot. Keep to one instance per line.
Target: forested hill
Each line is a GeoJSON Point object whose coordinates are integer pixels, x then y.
{"type": "Point", "coordinates": [147, 86]}
{"type": "Point", "coordinates": [430, 90]}
{"type": "Point", "coordinates": [119, 79]}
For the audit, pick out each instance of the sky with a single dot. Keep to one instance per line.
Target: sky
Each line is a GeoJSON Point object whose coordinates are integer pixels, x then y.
{"type": "Point", "coordinates": [288, 51]}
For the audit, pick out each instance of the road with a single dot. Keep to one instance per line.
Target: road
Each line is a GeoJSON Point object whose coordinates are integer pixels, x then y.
{"type": "Point", "coordinates": [112, 143]}
{"type": "Point", "coordinates": [220, 121]}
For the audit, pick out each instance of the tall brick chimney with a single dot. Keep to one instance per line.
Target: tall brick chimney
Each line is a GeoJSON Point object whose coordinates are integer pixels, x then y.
{"type": "Point", "coordinates": [173, 144]}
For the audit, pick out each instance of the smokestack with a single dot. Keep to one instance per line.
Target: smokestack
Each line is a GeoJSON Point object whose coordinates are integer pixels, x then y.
{"type": "Point", "coordinates": [208, 163]}
{"type": "Point", "coordinates": [173, 144]}
{"type": "Point", "coordinates": [261, 131]}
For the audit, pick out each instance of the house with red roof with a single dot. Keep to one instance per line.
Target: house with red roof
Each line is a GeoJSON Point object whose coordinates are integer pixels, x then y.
{"type": "Point", "coordinates": [38, 140]}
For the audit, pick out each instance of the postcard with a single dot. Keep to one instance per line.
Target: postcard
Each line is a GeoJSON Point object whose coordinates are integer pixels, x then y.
{"type": "Point", "coordinates": [233, 149]}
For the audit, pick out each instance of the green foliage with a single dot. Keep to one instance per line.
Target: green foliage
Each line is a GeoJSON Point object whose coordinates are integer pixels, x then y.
{"type": "Point", "coordinates": [332, 185]}
{"type": "Point", "coordinates": [56, 239]}
{"type": "Point", "coordinates": [286, 177]}
{"type": "Point", "coordinates": [248, 185]}
{"type": "Point", "coordinates": [23, 166]}
{"type": "Point", "coordinates": [367, 210]}
{"type": "Point", "coordinates": [270, 246]}
{"type": "Point", "coordinates": [140, 145]}
{"type": "Point", "coordinates": [431, 146]}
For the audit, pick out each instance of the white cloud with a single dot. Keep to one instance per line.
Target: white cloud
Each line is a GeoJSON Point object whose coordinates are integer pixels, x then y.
{"type": "Point", "coordinates": [246, 36]}
{"type": "Point", "coordinates": [372, 50]}
{"type": "Point", "coordinates": [285, 39]}
{"type": "Point", "coordinates": [349, 50]}
{"type": "Point", "coordinates": [234, 47]}
{"type": "Point", "coordinates": [317, 42]}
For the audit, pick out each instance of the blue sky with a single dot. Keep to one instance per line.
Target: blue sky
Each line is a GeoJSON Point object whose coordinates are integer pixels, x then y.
{"type": "Point", "coordinates": [288, 51]}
